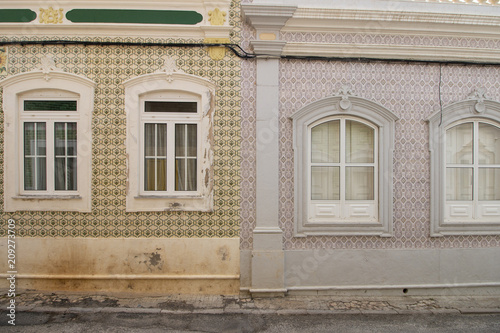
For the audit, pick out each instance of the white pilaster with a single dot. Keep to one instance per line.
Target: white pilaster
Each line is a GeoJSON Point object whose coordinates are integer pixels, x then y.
{"type": "Point", "coordinates": [267, 263]}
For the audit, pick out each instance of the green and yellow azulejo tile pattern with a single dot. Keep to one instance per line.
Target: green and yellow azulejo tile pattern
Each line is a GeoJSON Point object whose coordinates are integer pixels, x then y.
{"type": "Point", "coordinates": [109, 66]}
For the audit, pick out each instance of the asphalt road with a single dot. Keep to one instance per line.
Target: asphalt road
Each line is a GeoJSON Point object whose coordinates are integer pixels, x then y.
{"type": "Point", "coordinates": [38, 322]}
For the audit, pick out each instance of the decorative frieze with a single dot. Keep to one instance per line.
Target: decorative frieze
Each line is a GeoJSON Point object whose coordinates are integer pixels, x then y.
{"type": "Point", "coordinates": [51, 16]}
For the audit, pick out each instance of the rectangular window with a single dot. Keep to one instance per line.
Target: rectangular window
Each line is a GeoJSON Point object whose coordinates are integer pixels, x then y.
{"type": "Point", "coordinates": [46, 105]}
{"type": "Point", "coordinates": [65, 156]}
{"type": "Point", "coordinates": [342, 161]}
{"type": "Point", "coordinates": [185, 157]}
{"type": "Point", "coordinates": [155, 157]}
{"type": "Point", "coordinates": [47, 170]}
{"type": "Point", "coordinates": [35, 156]}
{"type": "Point", "coordinates": [170, 146]}
{"type": "Point", "coordinates": [172, 107]}
{"type": "Point", "coordinates": [169, 165]}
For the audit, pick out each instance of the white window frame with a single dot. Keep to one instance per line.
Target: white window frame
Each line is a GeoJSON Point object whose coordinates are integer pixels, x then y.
{"type": "Point", "coordinates": [173, 86]}
{"type": "Point", "coordinates": [170, 119]}
{"type": "Point", "coordinates": [378, 220]}
{"type": "Point", "coordinates": [342, 210]}
{"type": "Point", "coordinates": [40, 85]}
{"type": "Point", "coordinates": [459, 217]}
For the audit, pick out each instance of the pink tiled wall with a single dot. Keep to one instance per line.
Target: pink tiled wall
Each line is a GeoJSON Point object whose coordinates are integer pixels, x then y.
{"type": "Point", "coordinates": [410, 90]}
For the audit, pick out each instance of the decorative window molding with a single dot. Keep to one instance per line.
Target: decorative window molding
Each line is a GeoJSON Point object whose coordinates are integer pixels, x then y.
{"type": "Point", "coordinates": [58, 106]}
{"type": "Point", "coordinates": [163, 87]}
{"type": "Point", "coordinates": [458, 144]}
{"type": "Point", "coordinates": [341, 217]}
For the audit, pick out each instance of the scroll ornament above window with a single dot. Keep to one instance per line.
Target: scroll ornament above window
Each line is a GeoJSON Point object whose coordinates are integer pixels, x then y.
{"type": "Point", "coordinates": [479, 96]}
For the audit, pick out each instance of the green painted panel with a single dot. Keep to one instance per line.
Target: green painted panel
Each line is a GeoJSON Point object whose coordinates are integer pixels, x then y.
{"type": "Point", "coordinates": [49, 105]}
{"type": "Point", "coordinates": [17, 15]}
{"type": "Point", "coordinates": [134, 16]}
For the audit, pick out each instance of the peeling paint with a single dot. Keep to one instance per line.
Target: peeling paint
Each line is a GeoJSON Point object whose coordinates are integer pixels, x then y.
{"type": "Point", "coordinates": [127, 169]}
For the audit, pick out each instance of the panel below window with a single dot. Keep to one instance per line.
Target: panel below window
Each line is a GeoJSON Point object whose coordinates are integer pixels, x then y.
{"type": "Point", "coordinates": [336, 212]}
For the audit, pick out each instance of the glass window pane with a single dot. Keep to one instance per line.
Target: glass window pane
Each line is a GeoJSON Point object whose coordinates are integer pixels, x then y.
{"type": "Point", "coordinates": [325, 142]}
{"type": "Point", "coordinates": [459, 144]}
{"type": "Point", "coordinates": [149, 174]}
{"type": "Point", "coordinates": [459, 184]}
{"type": "Point", "coordinates": [41, 135]}
{"type": "Point", "coordinates": [50, 105]}
{"type": "Point", "coordinates": [359, 183]}
{"type": "Point", "coordinates": [489, 184]}
{"type": "Point", "coordinates": [29, 173]}
{"type": "Point", "coordinates": [191, 175]}
{"type": "Point", "coordinates": [489, 144]}
{"type": "Point", "coordinates": [60, 174]}
{"type": "Point", "coordinates": [71, 182]}
{"type": "Point", "coordinates": [180, 175]}
{"type": "Point", "coordinates": [149, 139]}
{"type": "Point", "coordinates": [41, 178]}
{"type": "Point", "coordinates": [71, 139]}
{"type": "Point", "coordinates": [180, 140]}
{"type": "Point", "coordinates": [161, 174]}
{"type": "Point", "coordinates": [35, 164]}
{"type": "Point", "coordinates": [161, 137]}
{"type": "Point", "coordinates": [180, 107]}
{"type": "Point", "coordinates": [29, 139]}
{"type": "Point", "coordinates": [60, 137]}
{"type": "Point", "coordinates": [191, 140]}
{"type": "Point", "coordinates": [359, 139]}
{"type": "Point", "coordinates": [325, 183]}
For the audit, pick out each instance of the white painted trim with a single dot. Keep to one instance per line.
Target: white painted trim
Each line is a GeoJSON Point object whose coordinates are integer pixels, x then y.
{"type": "Point", "coordinates": [364, 109]}
{"type": "Point", "coordinates": [438, 123]}
{"type": "Point", "coordinates": [53, 80]}
{"type": "Point", "coordinates": [423, 7]}
{"type": "Point", "coordinates": [181, 83]}
{"type": "Point", "coordinates": [408, 18]}
{"type": "Point", "coordinates": [402, 52]}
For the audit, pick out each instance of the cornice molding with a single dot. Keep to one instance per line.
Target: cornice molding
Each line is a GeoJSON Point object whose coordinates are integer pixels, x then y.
{"type": "Point", "coordinates": [393, 22]}
{"type": "Point", "coordinates": [318, 14]}
{"type": "Point", "coordinates": [270, 48]}
{"type": "Point", "coordinates": [403, 18]}
{"type": "Point", "coordinates": [401, 52]}
{"type": "Point", "coordinates": [267, 17]}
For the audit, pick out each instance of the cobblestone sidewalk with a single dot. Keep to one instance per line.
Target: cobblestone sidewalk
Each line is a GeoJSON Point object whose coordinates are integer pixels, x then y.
{"type": "Point", "coordinates": [112, 303]}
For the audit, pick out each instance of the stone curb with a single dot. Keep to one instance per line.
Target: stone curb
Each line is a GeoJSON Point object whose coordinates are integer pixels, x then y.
{"type": "Point", "coordinates": [480, 311]}
{"type": "Point", "coordinates": [284, 312]}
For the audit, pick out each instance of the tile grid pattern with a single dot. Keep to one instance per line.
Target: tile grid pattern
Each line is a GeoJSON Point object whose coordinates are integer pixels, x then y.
{"type": "Point", "coordinates": [109, 66]}
{"type": "Point", "coordinates": [408, 90]}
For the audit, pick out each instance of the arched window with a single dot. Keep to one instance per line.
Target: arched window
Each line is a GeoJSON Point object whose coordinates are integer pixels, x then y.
{"type": "Point", "coordinates": [48, 141]}
{"type": "Point", "coordinates": [465, 168]}
{"type": "Point", "coordinates": [343, 167]}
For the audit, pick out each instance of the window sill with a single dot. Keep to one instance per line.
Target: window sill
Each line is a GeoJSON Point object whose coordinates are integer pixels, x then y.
{"type": "Point", "coordinates": [196, 196]}
{"type": "Point", "coordinates": [47, 197]}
